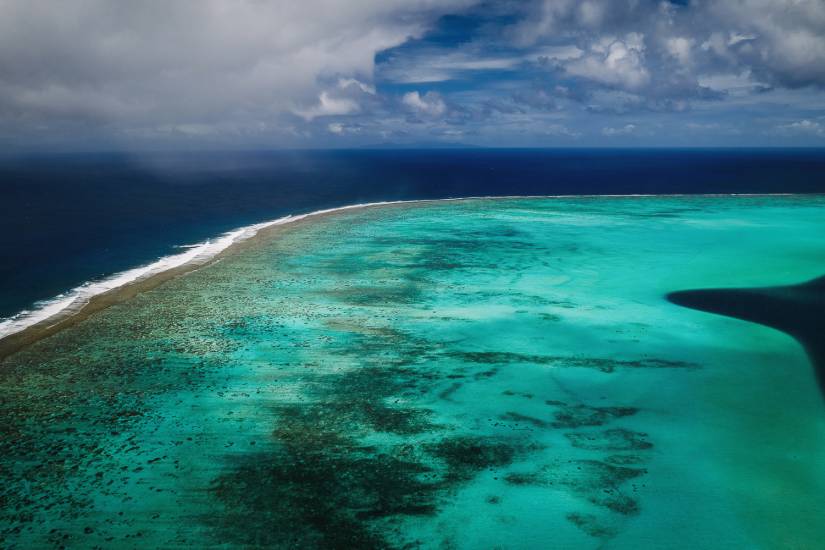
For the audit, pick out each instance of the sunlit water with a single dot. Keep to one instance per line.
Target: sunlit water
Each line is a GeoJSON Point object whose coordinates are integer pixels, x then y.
{"type": "Point", "coordinates": [475, 374]}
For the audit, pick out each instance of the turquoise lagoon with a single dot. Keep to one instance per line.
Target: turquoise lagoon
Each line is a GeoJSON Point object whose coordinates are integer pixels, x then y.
{"type": "Point", "coordinates": [461, 374]}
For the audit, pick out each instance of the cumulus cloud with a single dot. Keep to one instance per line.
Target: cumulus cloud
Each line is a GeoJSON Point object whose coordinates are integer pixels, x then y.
{"type": "Point", "coordinates": [782, 41]}
{"type": "Point", "coordinates": [429, 104]}
{"type": "Point", "coordinates": [327, 106]}
{"type": "Point", "coordinates": [618, 62]}
{"type": "Point", "coordinates": [680, 48]}
{"type": "Point", "coordinates": [662, 51]}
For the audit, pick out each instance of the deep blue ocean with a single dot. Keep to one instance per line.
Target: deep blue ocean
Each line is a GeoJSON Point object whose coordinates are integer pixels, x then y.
{"type": "Point", "coordinates": [68, 219]}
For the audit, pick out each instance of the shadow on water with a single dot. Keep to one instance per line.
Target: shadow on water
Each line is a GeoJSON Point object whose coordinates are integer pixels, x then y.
{"type": "Point", "coordinates": [798, 310]}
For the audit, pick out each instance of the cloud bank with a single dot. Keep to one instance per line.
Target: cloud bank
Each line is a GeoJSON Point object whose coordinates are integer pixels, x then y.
{"type": "Point", "coordinates": [193, 67]}
{"type": "Point", "coordinates": [96, 74]}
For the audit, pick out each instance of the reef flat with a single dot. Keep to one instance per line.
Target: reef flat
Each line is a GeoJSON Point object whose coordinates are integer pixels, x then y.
{"type": "Point", "coordinates": [468, 374]}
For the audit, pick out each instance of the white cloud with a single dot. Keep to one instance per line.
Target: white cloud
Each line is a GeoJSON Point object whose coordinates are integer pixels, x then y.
{"type": "Point", "coordinates": [341, 129]}
{"type": "Point", "coordinates": [736, 38]}
{"type": "Point", "coordinates": [464, 62]}
{"type": "Point", "coordinates": [347, 82]}
{"type": "Point", "coordinates": [618, 62]}
{"type": "Point", "coordinates": [625, 130]}
{"type": "Point", "coordinates": [680, 48]}
{"type": "Point", "coordinates": [809, 127]}
{"type": "Point", "coordinates": [781, 43]}
{"type": "Point", "coordinates": [781, 40]}
{"type": "Point", "coordinates": [327, 106]}
{"type": "Point", "coordinates": [138, 65]}
{"type": "Point", "coordinates": [430, 104]}
{"type": "Point", "coordinates": [557, 53]}
{"type": "Point", "coordinates": [439, 66]}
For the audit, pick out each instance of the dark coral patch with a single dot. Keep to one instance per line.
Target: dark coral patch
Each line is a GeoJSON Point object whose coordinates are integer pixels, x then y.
{"type": "Point", "coordinates": [521, 478]}
{"type": "Point", "coordinates": [464, 456]}
{"type": "Point", "coordinates": [310, 495]}
{"type": "Point", "coordinates": [598, 482]}
{"type": "Point", "coordinates": [597, 363]}
{"type": "Point", "coordinates": [591, 524]}
{"type": "Point", "coordinates": [523, 419]}
{"type": "Point", "coordinates": [575, 416]}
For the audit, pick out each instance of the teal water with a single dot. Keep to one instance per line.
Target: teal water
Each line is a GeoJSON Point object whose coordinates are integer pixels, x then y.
{"type": "Point", "coordinates": [472, 374]}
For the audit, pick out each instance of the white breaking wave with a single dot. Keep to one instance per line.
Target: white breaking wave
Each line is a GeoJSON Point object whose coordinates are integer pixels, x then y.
{"type": "Point", "coordinates": [196, 254]}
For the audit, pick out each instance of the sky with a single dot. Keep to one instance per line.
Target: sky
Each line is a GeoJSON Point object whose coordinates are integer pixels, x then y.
{"type": "Point", "coordinates": [256, 74]}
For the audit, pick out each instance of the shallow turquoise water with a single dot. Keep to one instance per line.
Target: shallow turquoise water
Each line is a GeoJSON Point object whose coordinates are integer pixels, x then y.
{"type": "Point", "coordinates": [470, 374]}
